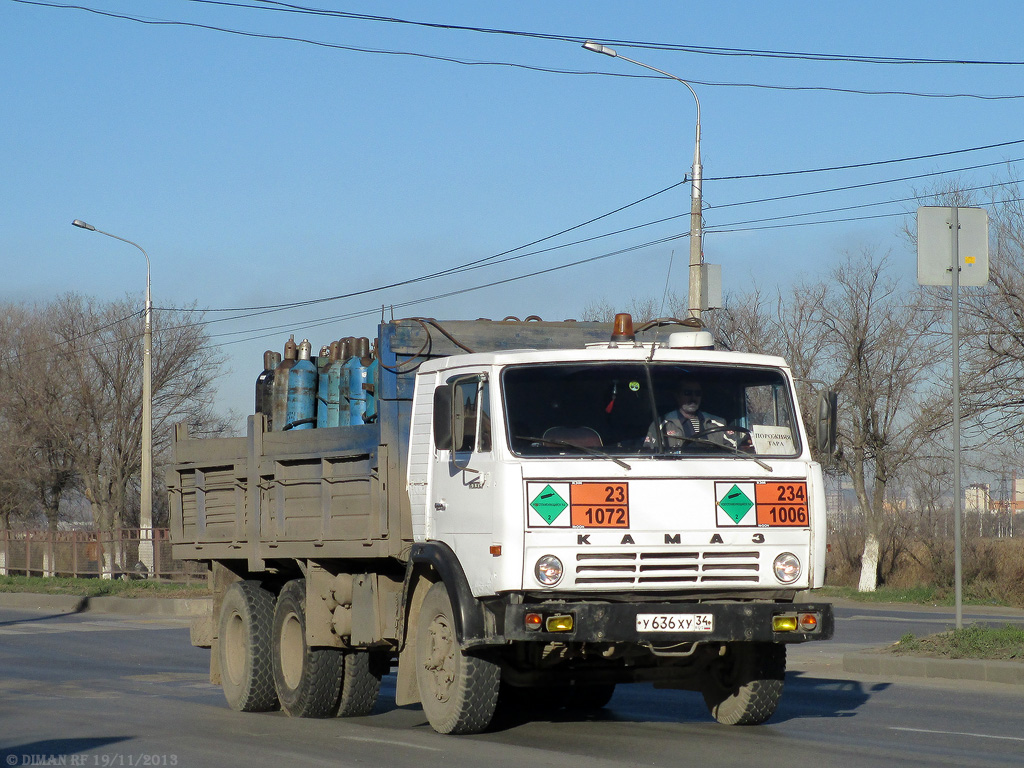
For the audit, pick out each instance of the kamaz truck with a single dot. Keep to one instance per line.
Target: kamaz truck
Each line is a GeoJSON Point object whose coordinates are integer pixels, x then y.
{"type": "Point", "coordinates": [530, 517]}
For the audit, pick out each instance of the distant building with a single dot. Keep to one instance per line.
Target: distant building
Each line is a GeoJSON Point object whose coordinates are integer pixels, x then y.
{"type": "Point", "coordinates": [977, 498]}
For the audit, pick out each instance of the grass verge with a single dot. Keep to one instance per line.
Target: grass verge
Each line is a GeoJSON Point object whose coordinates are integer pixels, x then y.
{"type": "Point", "coordinates": [911, 596]}
{"type": "Point", "coordinates": [972, 642]}
{"type": "Point", "coordinates": [100, 587]}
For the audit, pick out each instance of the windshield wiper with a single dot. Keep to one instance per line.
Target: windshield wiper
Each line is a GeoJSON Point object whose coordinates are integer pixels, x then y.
{"type": "Point", "coordinates": [586, 449]}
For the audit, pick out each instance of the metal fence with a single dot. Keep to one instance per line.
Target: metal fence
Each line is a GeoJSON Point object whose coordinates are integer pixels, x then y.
{"type": "Point", "coordinates": [92, 554]}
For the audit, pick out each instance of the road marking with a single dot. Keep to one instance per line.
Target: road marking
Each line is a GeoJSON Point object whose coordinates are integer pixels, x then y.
{"type": "Point", "coordinates": [391, 742]}
{"type": "Point", "coordinates": [89, 626]}
{"type": "Point", "coordinates": [958, 733]}
{"type": "Point", "coordinates": [912, 620]}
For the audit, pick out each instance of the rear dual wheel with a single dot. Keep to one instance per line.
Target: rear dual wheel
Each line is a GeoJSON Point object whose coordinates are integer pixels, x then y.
{"type": "Point", "coordinates": [307, 680]}
{"type": "Point", "coordinates": [244, 647]}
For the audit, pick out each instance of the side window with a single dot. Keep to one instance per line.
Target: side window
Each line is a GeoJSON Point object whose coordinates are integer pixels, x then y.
{"type": "Point", "coordinates": [465, 405]}
{"type": "Point", "coordinates": [484, 442]}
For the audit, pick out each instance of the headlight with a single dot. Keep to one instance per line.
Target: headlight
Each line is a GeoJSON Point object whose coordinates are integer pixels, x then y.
{"type": "Point", "coordinates": [787, 568]}
{"type": "Point", "coordinates": [548, 570]}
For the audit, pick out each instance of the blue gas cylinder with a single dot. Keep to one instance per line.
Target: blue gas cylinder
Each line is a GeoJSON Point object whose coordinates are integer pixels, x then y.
{"type": "Point", "coordinates": [372, 387]}
{"type": "Point", "coordinates": [323, 392]}
{"type": "Point", "coordinates": [302, 385]}
{"type": "Point", "coordinates": [357, 371]}
{"type": "Point", "coordinates": [341, 372]}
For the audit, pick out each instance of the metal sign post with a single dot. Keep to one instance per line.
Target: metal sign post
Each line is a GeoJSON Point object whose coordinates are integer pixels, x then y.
{"type": "Point", "coordinates": [940, 234]}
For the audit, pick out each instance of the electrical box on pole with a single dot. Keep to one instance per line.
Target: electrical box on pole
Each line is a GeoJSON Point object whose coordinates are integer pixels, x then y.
{"type": "Point", "coordinates": [710, 286]}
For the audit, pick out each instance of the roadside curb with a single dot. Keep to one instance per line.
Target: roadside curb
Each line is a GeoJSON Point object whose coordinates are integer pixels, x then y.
{"type": "Point", "coordinates": [146, 606]}
{"type": "Point", "coordinates": [887, 665]}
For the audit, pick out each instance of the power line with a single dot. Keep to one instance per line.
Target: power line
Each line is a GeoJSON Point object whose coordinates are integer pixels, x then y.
{"type": "Point", "coordinates": [63, 343]}
{"type": "Point", "coordinates": [740, 226]}
{"type": "Point", "coordinates": [334, 46]}
{"type": "Point", "coordinates": [863, 185]}
{"type": "Point", "coordinates": [272, 5]}
{"type": "Point", "coordinates": [503, 281]}
{"type": "Point", "coordinates": [497, 258]}
{"type": "Point", "coordinates": [531, 67]}
{"type": "Point", "coordinates": [865, 165]}
{"type": "Point", "coordinates": [450, 270]}
{"type": "Point", "coordinates": [855, 207]}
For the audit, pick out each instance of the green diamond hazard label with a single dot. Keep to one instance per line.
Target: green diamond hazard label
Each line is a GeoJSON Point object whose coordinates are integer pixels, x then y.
{"type": "Point", "coordinates": [548, 504]}
{"type": "Point", "coordinates": [735, 501]}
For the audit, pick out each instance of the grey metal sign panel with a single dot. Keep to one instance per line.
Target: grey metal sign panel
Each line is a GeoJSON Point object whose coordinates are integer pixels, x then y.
{"type": "Point", "coordinates": [935, 245]}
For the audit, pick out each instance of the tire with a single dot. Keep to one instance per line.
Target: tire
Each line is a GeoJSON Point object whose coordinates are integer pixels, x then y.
{"type": "Point", "coordinates": [308, 680]}
{"type": "Point", "coordinates": [360, 684]}
{"type": "Point", "coordinates": [745, 685]}
{"type": "Point", "coordinates": [244, 647]}
{"type": "Point", "coordinates": [459, 692]}
{"type": "Point", "coordinates": [589, 697]}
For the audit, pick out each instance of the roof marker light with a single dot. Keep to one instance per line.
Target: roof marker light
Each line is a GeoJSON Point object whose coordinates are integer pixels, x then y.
{"type": "Point", "coordinates": [623, 330]}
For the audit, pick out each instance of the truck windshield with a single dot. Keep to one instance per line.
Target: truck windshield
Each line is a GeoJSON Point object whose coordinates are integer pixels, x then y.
{"type": "Point", "coordinates": [648, 409]}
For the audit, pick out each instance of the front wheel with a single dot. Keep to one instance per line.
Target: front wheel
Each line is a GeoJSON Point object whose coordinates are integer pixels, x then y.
{"type": "Point", "coordinates": [743, 686]}
{"type": "Point", "coordinates": [459, 692]}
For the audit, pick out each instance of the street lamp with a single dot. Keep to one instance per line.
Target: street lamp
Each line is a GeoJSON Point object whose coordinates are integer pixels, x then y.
{"type": "Point", "coordinates": [146, 494]}
{"type": "Point", "coordinates": [696, 249]}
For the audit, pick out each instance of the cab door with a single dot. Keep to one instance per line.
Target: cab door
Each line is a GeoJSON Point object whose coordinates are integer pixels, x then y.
{"type": "Point", "coordinates": [462, 496]}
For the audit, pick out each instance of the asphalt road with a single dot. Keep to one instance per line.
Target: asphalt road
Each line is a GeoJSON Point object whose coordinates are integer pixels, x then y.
{"type": "Point", "coordinates": [107, 690]}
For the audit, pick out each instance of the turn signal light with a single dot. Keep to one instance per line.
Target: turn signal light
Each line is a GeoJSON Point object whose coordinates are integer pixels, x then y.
{"type": "Point", "coordinates": [533, 620]}
{"type": "Point", "coordinates": [784, 623]}
{"type": "Point", "coordinates": [808, 622]}
{"type": "Point", "coordinates": [559, 623]}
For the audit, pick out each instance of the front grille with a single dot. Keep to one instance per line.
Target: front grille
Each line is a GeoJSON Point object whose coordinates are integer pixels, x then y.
{"type": "Point", "coordinates": [667, 568]}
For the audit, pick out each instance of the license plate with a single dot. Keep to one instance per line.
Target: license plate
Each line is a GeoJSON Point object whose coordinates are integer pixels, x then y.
{"type": "Point", "coordinates": [675, 622]}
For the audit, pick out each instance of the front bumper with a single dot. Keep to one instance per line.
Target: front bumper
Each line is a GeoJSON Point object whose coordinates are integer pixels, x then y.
{"type": "Point", "coordinates": [594, 622]}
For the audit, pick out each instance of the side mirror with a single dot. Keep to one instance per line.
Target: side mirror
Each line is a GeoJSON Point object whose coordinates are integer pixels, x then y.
{"type": "Point", "coordinates": [825, 435]}
{"type": "Point", "coordinates": [443, 417]}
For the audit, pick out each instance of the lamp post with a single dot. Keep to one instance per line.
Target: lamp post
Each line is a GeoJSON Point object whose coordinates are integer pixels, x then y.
{"type": "Point", "coordinates": [696, 249]}
{"type": "Point", "coordinates": [146, 494]}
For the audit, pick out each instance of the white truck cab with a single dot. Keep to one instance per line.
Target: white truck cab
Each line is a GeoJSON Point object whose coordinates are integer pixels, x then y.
{"type": "Point", "coordinates": [560, 478]}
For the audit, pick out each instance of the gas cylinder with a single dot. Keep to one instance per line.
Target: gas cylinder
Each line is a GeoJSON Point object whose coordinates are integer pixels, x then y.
{"type": "Point", "coordinates": [327, 393]}
{"type": "Point", "coordinates": [323, 362]}
{"type": "Point", "coordinates": [279, 397]}
{"type": "Point", "coordinates": [357, 369]}
{"type": "Point", "coordinates": [265, 386]}
{"type": "Point", "coordinates": [372, 385]}
{"type": "Point", "coordinates": [301, 412]}
{"type": "Point", "coordinates": [340, 370]}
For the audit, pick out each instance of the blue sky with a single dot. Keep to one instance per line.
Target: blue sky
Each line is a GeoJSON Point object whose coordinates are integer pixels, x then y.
{"type": "Point", "coordinates": [259, 171]}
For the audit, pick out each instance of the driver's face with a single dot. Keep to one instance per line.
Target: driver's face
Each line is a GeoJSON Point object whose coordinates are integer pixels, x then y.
{"type": "Point", "coordinates": [688, 396]}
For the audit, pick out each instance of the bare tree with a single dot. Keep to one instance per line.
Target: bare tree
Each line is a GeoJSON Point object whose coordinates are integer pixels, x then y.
{"type": "Point", "coordinates": [880, 347]}
{"type": "Point", "coordinates": [105, 398]}
{"type": "Point", "coordinates": [38, 463]}
{"type": "Point", "coordinates": [71, 395]}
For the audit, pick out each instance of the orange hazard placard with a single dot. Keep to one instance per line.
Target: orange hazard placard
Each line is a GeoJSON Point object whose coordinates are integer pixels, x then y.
{"type": "Point", "coordinates": [782, 503]}
{"type": "Point", "coordinates": [599, 505]}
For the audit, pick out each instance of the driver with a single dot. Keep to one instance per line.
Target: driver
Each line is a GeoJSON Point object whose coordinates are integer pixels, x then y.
{"type": "Point", "coordinates": [688, 421]}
